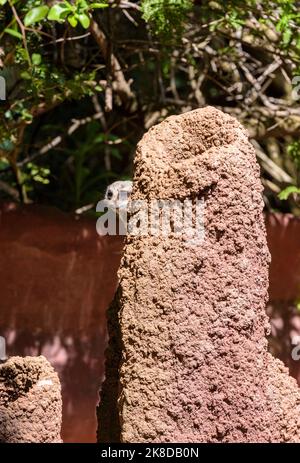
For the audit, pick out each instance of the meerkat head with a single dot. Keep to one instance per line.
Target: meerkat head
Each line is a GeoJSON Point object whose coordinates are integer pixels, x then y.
{"type": "Point", "coordinates": [118, 193]}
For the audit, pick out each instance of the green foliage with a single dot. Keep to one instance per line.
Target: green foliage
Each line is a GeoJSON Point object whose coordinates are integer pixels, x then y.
{"type": "Point", "coordinates": [293, 150]}
{"type": "Point", "coordinates": [166, 15]}
{"type": "Point", "coordinates": [13, 32]}
{"type": "Point", "coordinates": [35, 15]}
{"type": "Point", "coordinates": [79, 11]}
{"type": "Point", "coordinates": [288, 22]}
{"type": "Point", "coordinates": [37, 173]}
{"type": "Point", "coordinates": [75, 12]}
{"type": "Point", "coordinates": [198, 53]}
{"type": "Point", "coordinates": [284, 194]}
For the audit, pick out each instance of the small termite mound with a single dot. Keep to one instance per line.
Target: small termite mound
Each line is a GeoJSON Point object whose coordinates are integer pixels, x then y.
{"type": "Point", "coordinates": [30, 401]}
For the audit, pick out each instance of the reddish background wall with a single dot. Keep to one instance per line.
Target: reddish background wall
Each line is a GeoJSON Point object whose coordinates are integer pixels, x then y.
{"type": "Point", "coordinates": [283, 232]}
{"type": "Point", "coordinates": [57, 278]}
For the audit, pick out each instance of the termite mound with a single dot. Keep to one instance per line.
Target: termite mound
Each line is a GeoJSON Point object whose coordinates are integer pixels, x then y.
{"type": "Point", "coordinates": [187, 359]}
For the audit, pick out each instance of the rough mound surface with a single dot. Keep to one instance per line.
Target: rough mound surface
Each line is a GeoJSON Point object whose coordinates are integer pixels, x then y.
{"type": "Point", "coordinates": [187, 359]}
{"type": "Point", "coordinates": [30, 401]}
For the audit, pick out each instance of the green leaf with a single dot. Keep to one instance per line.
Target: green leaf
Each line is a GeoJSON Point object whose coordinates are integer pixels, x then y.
{"type": "Point", "coordinates": [73, 21]}
{"type": "Point", "coordinates": [2, 2]}
{"type": "Point", "coordinates": [36, 59]}
{"type": "Point", "coordinates": [98, 5]}
{"type": "Point", "coordinates": [287, 37]}
{"type": "Point", "coordinates": [25, 75]}
{"type": "Point", "coordinates": [35, 15]}
{"type": "Point", "coordinates": [284, 194]}
{"type": "Point", "coordinates": [99, 138]}
{"type": "Point", "coordinates": [84, 20]}
{"type": "Point", "coordinates": [82, 5]}
{"type": "Point", "coordinates": [13, 33]}
{"type": "Point", "coordinates": [58, 12]}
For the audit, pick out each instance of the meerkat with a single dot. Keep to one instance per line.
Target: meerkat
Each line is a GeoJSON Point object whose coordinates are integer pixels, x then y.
{"type": "Point", "coordinates": [118, 194]}
{"type": "Point", "coordinates": [117, 199]}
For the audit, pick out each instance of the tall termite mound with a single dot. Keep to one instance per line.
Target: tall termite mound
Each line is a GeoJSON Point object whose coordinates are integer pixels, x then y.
{"type": "Point", "coordinates": [30, 401]}
{"type": "Point", "coordinates": [187, 358]}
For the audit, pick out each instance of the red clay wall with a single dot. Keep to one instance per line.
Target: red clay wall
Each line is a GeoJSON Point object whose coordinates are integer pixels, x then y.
{"type": "Point", "coordinates": [283, 234]}
{"type": "Point", "coordinates": [57, 278]}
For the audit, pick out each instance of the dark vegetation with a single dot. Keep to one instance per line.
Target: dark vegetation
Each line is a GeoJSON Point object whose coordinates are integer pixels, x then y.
{"type": "Point", "coordinates": [86, 79]}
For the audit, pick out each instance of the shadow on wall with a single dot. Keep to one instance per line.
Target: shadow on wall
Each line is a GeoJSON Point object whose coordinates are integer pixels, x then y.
{"type": "Point", "coordinates": [283, 233]}
{"type": "Point", "coordinates": [58, 277]}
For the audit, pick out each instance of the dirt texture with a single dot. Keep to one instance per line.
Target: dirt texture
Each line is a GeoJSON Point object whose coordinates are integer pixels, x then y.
{"type": "Point", "coordinates": [187, 358]}
{"type": "Point", "coordinates": [30, 401]}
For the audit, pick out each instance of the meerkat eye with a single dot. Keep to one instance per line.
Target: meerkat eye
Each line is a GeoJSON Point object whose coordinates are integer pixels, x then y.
{"type": "Point", "coordinates": [109, 194]}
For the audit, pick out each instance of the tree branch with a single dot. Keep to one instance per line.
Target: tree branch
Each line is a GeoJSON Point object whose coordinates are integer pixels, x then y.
{"type": "Point", "coordinates": [121, 86]}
